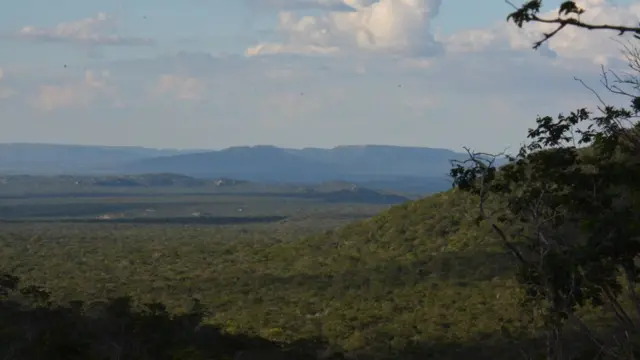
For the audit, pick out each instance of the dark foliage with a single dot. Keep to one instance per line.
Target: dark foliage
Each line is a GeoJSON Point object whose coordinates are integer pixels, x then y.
{"type": "Point", "coordinates": [33, 328]}
{"type": "Point", "coordinates": [574, 193]}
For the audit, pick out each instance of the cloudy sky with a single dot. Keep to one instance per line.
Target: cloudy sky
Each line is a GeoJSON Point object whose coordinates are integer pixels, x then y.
{"type": "Point", "coordinates": [296, 73]}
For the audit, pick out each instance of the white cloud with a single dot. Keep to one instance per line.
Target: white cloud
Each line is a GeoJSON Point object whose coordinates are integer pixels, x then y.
{"type": "Point", "coordinates": [597, 46]}
{"type": "Point", "coordinates": [82, 93]}
{"type": "Point", "coordinates": [333, 5]}
{"type": "Point", "coordinates": [570, 43]}
{"type": "Point", "coordinates": [302, 101]}
{"type": "Point", "coordinates": [180, 87]}
{"type": "Point", "coordinates": [97, 30]}
{"type": "Point", "coordinates": [403, 28]}
{"type": "Point", "coordinates": [372, 75]}
{"type": "Point", "coordinates": [399, 26]}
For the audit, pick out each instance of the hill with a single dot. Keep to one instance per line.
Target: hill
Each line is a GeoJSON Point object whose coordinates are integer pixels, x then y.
{"type": "Point", "coordinates": [258, 163]}
{"type": "Point", "coordinates": [379, 160]}
{"type": "Point", "coordinates": [404, 169]}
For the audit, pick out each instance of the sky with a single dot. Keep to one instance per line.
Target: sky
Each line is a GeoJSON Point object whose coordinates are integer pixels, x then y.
{"type": "Point", "coordinates": [210, 74]}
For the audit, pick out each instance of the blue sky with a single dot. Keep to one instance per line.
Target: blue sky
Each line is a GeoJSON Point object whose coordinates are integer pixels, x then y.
{"type": "Point", "coordinates": [218, 73]}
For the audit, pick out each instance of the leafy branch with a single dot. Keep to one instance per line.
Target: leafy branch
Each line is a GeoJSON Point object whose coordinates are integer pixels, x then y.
{"type": "Point", "coordinates": [568, 15]}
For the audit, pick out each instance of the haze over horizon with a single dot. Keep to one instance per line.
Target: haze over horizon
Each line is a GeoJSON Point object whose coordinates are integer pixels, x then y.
{"type": "Point", "coordinates": [211, 148]}
{"type": "Point", "coordinates": [207, 74]}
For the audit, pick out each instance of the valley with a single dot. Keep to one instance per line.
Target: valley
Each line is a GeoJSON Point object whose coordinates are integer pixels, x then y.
{"type": "Point", "coordinates": [415, 279]}
{"type": "Point", "coordinates": [349, 252]}
{"type": "Point", "coordinates": [326, 267]}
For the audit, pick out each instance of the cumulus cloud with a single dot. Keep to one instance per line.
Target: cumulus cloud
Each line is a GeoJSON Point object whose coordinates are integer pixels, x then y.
{"type": "Point", "coordinates": [97, 30]}
{"type": "Point", "coordinates": [81, 93]}
{"type": "Point", "coordinates": [400, 26]}
{"type": "Point", "coordinates": [333, 5]}
{"type": "Point", "coordinates": [570, 43]}
{"type": "Point", "coordinates": [403, 27]}
{"type": "Point", "coordinates": [179, 87]}
{"type": "Point", "coordinates": [483, 89]}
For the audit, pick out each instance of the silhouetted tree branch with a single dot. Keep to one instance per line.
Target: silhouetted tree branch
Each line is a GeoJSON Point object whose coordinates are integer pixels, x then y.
{"type": "Point", "coordinates": [568, 15]}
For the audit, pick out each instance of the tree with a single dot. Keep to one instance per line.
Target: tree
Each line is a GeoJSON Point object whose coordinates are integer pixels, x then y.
{"type": "Point", "coordinates": [32, 327]}
{"type": "Point", "coordinates": [574, 191]}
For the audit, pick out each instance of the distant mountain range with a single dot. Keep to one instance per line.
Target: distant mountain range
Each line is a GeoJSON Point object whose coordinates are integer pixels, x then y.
{"type": "Point", "coordinates": [50, 159]}
{"type": "Point", "coordinates": [398, 168]}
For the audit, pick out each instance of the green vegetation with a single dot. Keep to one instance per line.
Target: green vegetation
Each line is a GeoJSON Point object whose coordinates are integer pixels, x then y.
{"type": "Point", "coordinates": [535, 259]}
{"type": "Point", "coordinates": [413, 276]}
{"type": "Point", "coordinates": [421, 279]}
{"type": "Point", "coordinates": [573, 194]}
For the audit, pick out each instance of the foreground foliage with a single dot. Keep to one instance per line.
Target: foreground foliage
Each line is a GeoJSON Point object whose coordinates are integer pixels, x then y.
{"type": "Point", "coordinates": [573, 192]}
{"type": "Point", "coordinates": [33, 328]}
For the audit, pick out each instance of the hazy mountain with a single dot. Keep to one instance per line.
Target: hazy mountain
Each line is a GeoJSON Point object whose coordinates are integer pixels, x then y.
{"type": "Point", "coordinates": [398, 168]}
{"type": "Point", "coordinates": [24, 158]}
{"type": "Point", "coordinates": [385, 160]}
{"type": "Point", "coordinates": [268, 163]}
{"type": "Point", "coordinates": [257, 163]}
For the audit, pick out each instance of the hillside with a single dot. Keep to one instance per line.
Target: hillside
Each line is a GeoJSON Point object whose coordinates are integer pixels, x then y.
{"type": "Point", "coordinates": [420, 279]}
{"type": "Point", "coordinates": [413, 232]}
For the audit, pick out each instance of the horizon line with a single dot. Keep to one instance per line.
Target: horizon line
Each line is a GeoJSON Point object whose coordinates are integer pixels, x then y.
{"type": "Point", "coordinates": [220, 149]}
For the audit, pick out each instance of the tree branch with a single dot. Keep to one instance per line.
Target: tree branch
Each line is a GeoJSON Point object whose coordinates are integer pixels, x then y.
{"type": "Point", "coordinates": [529, 13]}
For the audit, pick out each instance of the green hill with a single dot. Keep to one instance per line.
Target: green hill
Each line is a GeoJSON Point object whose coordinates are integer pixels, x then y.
{"type": "Point", "coordinates": [420, 278]}
{"type": "Point", "coordinates": [423, 270]}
